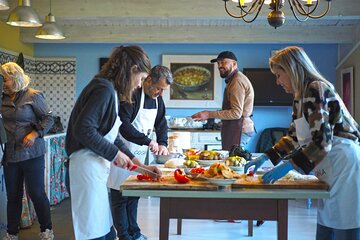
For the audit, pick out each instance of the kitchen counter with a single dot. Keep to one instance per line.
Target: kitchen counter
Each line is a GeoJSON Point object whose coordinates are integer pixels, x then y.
{"type": "Point", "coordinates": [225, 203]}
{"type": "Point", "coordinates": [192, 130]}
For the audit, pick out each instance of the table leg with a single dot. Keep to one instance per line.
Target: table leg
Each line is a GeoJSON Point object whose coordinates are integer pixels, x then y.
{"type": "Point", "coordinates": [282, 223]}
{"type": "Point", "coordinates": [164, 218]}
{"type": "Point", "coordinates": [250, 228]}
{"type": "Point", "coordinates": [179, 225]}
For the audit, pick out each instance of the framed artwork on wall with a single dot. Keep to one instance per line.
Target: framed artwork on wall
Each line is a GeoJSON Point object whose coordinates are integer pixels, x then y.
{"type": "Point", "coordinates": [347, 88]}
{"type": "Point", "coordinates": [197, 82]}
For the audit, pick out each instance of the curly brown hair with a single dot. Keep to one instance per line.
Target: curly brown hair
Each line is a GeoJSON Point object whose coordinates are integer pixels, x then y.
{"type": "Point", "coordinates": [118, 69]}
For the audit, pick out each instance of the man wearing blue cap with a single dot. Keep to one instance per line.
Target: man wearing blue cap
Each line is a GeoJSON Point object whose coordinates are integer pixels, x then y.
{"type": "Point", "coordinates": [237, 107]}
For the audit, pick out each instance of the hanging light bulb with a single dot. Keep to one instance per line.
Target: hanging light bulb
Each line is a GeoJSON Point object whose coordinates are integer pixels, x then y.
{"type": "Point", "coordinates": [24, 15]}
{"type": "Point", "coordinates": [50, 30]}
{"type": "Point", "coordinates": [4, 5]}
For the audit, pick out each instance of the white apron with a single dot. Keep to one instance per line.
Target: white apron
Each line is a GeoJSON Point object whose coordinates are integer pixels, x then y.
{"type": "Point", "coordinates": [91, 212]}
{"type": "Point", "coordinates": [340, 166]}
{"type": "Point", "coordinates": [144, 123]}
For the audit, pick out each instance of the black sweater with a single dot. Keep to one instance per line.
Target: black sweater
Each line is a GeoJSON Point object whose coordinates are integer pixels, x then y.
{"type": "Point", "coordinates": [92, 117]}
{"type": "Point", "coordinates": [129, 112]}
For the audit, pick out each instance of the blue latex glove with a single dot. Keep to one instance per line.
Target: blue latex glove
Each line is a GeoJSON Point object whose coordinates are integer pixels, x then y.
{"type": "Point", "coordinates": [277, 172]}
{"type": "Point", "coordinates": [257, 162]}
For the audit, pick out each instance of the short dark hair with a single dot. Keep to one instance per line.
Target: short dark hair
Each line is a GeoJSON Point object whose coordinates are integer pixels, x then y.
{"type": "Point", "coordinates": [160, 72]}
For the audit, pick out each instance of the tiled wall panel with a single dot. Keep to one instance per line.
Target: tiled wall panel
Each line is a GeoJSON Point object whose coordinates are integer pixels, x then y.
{"type": "Point", "coordinates": [56, 77]}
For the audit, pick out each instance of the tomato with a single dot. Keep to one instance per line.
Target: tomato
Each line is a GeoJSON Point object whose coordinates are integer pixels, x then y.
{"type": "Point", "coordinates": [180, 176]}
{"type": "Point", "coordinates": [141, 177]}
{"type": "Point", "coordinates": [197, 170]}
{"type": "Point", "coordinates": [250, 174]}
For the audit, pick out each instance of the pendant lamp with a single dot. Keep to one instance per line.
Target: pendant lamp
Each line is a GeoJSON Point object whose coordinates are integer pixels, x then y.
{"type": "Point", "coordinates": [50, 30]}
{"type": "Point", "coordinates": [24, 15]}
{"type": "Point", "coordinates": [4, 5]}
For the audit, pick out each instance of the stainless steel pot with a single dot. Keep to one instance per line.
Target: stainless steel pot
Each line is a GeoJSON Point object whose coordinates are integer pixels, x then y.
{"type": "Point", "coordinates": [161, 159]}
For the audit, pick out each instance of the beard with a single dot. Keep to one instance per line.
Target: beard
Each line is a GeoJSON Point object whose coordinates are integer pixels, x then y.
{"type": "Point", "coordinates": [225, 72]}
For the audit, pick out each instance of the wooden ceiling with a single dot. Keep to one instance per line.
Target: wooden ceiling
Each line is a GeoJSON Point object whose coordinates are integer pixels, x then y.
{"type": "Point", "coordinates": [187, 21]}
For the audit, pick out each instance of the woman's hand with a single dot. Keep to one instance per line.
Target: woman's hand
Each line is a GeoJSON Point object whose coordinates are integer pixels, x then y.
{"type": "Point", "coordinates": [257, 162]}
{"type": "Point", "coordinates": [29, 139]}
{"type": "Point", "coordinates": [277, 172]}
{"type": "Point", "coordinates": [123, 161]}
{"type": "Point", "coordinates": [157, 172]}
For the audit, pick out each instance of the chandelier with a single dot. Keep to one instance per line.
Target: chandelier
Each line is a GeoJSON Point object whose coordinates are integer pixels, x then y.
{"type": "Point", "coordinates": [301, 9]}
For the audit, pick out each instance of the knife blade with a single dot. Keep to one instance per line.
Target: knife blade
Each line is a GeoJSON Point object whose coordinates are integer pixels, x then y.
{"type": "Point", "coordinates": [146, 170]}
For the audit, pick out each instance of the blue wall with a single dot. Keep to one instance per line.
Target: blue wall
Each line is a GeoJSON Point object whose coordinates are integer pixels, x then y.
{"type": "Point", "coordinates": [249, 56]}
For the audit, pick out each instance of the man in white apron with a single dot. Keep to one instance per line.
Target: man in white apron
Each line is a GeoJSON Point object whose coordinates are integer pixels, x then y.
{"type": "Point", "coordinates": [138, 121]}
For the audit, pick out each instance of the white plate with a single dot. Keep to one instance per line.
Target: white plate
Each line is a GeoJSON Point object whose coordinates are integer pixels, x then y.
{"type": "Point", "coordinates": [208, 162]}
{"type": "Point", "coordinates": [239, 169]}
{"type": "Point", "coordinates": [221, 181]}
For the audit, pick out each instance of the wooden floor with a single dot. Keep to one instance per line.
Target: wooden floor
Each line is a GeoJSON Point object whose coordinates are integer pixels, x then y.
{"type": "Point", "coordinates": [302, 224]}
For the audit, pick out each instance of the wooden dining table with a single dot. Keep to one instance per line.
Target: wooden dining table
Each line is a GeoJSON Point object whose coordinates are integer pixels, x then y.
{"type": "Point", "coordinates": [203, 200]}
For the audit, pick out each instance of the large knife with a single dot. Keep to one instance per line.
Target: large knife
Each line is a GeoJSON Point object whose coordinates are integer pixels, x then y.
{"type": "Point", "coordinates": [134, 167]}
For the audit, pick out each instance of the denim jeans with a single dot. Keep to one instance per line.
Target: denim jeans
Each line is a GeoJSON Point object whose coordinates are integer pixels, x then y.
{"type": "Point", "coordinates": [326, 233]}
{"type": "Point", "coordinates": [32, 171]}
{"type": "Point", "coordinates": [124, 212]}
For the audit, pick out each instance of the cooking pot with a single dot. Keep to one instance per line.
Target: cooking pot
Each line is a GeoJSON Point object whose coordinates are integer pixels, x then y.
{"type": "Point", "coordinates": [161, 159]}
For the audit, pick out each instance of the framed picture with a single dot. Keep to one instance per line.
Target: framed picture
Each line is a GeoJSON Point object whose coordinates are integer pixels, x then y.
{"type": "Point", "coordinates": [347, 88]}
{"type": "Point", "coordinates": [197, 82]}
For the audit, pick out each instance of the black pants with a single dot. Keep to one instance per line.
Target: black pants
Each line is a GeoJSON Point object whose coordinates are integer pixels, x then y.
{"type": "Point", "coordinates": [32, 172]}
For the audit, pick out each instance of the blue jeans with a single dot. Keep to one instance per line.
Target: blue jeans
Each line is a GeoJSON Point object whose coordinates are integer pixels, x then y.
{"type": "Point", "coordinates": [124, 212]}
{"type": "Point", "coordinates": [326, 233]}
{"type": "Point", "coordinates": [32, 172]}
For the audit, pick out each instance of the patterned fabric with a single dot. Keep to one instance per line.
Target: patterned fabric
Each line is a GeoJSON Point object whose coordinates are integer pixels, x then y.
{"type": "Point", "coordinates": [57, 170]}
{"type": "Point", "coordinates": [327, 116]}
{"type": "Point", "coordinates": [28, 214]}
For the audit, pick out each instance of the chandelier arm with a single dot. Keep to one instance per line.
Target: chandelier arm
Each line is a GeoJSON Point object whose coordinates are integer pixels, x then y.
{"type": "Point", "coordinates": [232, 15]}
{"type": "Point", "coordinates": [323, 14]}
{"type": "Point", "coordinates": [294, 13]}
{"type": "Point", "coordinates": [251, 9]}
{"type": "Point", "coordinates": [256, 15]}
{"type": "Point", "coordinates": [300, 8]}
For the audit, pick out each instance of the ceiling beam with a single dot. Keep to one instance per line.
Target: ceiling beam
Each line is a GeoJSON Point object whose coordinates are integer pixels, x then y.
{"type": "Point", "coordinates": [200, 34]}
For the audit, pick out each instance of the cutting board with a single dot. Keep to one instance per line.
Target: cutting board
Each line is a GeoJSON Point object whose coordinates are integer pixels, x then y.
{"type": "Point", "coordinates": [311, 182]}
{"type": "Point", "coordinates": [168, 183]}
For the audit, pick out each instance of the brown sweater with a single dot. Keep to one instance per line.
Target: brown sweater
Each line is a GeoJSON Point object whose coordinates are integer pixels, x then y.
{"type": "Point", "coordinates": [241, 95]}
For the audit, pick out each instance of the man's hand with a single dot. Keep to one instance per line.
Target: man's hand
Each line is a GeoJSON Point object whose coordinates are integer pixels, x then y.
{"type": "Point", "coordinates": [203, 115]}
{"type": "Point", "coordinates": [29, 139]}
{"type": "Point", "coordinates": [154, 147]}
{"type": "Point", "coordinates": [163, 150]}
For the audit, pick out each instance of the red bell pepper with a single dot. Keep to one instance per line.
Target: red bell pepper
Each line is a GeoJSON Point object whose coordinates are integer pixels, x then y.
{"type": "Point", "coordinates": [180, 176]}
{"type": "Point", "coordinates": [141, 177]}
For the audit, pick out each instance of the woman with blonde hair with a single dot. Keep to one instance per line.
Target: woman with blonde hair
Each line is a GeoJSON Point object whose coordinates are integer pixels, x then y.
{"type": "Point", "coordinates": [323, 137]}
{"type": "Point", "coordinates": [26, 119]}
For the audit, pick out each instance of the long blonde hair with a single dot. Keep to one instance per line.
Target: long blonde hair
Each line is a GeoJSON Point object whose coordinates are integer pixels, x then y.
{"type": "Point", "coordinates": [298, 66]}
{"type": "Point", "coordinates": [14, 71]}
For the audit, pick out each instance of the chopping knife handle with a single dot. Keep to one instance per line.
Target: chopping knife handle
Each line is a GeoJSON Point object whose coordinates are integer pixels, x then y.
{"type": "Point", "coordinates": [132, 168]}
